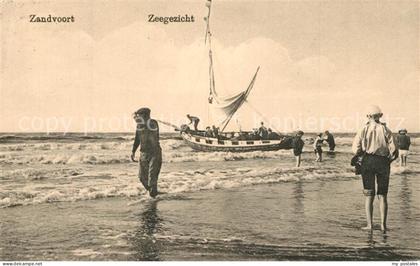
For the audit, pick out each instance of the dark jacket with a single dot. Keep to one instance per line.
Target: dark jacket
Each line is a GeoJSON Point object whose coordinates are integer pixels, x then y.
{"type": "Point", "coordinates": [273, 135]}
{"type": "Point", "coordinates": [403, 142]}
{"type": "Point", "coordinates": [147, 137]}
{"type": "Point", "coordinates": [263, 132]}
{"type": "Point", "coordinates": [330, 140]}
{"type": "Point", "coordinates": [297, 145]}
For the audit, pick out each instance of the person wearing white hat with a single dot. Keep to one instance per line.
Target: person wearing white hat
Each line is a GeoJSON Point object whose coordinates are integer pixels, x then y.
{"type": "Point", "coordinates": [376, 143]}
{"type": "Point", "coordinates": [404, 143]}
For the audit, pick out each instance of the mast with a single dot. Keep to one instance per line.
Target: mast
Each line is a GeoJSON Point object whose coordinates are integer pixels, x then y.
{"type": "Point", "coordinates": [208, 37]}
{"type": "Point", "coordinates": [229, 105]}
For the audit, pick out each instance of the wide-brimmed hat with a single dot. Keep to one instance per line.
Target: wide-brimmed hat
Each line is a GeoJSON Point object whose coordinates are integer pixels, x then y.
{"type": "Point", "coordinates": [402, 131]}
{"type": "Point", "coordinates": [373, 110]}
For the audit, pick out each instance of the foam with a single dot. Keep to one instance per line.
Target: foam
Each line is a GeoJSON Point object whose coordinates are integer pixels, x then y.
{"type": "Point", "coordinates": [170, 183]}
{"type": "Point", "coordinates": [86, 253]}
{"type": "Point", "coordinates": [118, 152]}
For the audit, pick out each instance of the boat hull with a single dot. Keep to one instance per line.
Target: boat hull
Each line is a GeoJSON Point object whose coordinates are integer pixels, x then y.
{"type": "Point", "coordinates": [213, 144]}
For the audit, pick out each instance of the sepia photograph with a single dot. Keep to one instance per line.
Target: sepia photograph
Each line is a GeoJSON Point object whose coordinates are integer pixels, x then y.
{"type": "Point", "coordinates": [209, 130]}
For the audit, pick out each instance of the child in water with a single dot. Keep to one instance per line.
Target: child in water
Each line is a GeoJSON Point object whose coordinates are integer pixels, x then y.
{"type": "Point", "coordinates": [318, 147]}
{"type": "Point", "coordinates": [404, 143]}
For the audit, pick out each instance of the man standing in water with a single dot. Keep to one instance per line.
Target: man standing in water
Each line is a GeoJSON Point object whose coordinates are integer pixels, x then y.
{"type": "Point", "coordinates": [297, 145]}
{"type": "Point", "coordinates": [147, 137]}
{"type": "Point", "coordinates": [375, 141]}
{"type": "Point", "coordinates": [329, 138]}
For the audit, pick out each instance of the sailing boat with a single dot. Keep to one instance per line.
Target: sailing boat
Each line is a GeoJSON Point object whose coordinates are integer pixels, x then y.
{"type": "Point", "coordinates": [229, 141]}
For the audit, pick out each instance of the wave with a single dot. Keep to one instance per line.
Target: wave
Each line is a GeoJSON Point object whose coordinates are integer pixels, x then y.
{"type": "Point", "coordinates": [30, 137]}
{"type": "Point", "coordinates": [40, 174]}
{"type": "Point", "coordinates": [167, 144]}
{"type": "Point", "coordinates": [118, 152]}
{"type": "Point", "coordinates": [123, 143]}
{"type": "Point", "coordinates": [21, 138]}
{"type": "Point", "coordinates": [124, 157]}
{"type": "Point", "coordinates": [42, 186]}
{"type": "Point", "coordinates": [88, 187]}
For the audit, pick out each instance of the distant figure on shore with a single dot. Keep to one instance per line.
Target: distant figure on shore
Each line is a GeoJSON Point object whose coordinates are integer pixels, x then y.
{"type": "Point", "coordinates": [329, 138]}
{"type": "Point", "coordinates": [147, 137]}
{"type": "Point", "coordinates": [262, 131]}
{"type": "Point", "coordinates": [318, 147]}
{"type": "Point", "coordinates": [297, 145]}
{"type": "Point", "coordinates": [193, 120]}
{"type": "Point", "coordinates": [403, 143]}
{"type": "Point", "coordinates": [375, 141]}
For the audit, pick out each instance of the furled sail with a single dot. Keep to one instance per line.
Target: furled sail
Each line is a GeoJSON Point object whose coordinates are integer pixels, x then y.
{"type": "Point", "coordinates": [227, 106]}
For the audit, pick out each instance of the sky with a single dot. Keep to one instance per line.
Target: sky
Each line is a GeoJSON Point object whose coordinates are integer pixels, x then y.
{"type": "Point", "coordinates": [322, 63]}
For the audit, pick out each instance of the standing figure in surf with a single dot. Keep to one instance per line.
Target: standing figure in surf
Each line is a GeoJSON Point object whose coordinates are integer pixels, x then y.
{"type": "Point", "coordinates": [318, 147]}
{"type": "Point", "coordinates": [375, 141]}
{"type": "Point", "coordinates": [404, 143]}
{"type": "Point", "coordinates": [147, 137]}
{"type": "Point", "coordinates": [297, 145]}
{"type": "Point", "coordinates": [329, 138]}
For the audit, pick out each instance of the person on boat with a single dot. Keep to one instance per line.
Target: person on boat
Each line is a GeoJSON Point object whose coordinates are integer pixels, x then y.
{"type": "Point", "coordinates": [193, 120]}
{"type": "Point", "coordinates": [254, 135]}
{"type": "Point", "coordinates": [329, 138]}
{"type": "Point", "coordinates": [208, 133]}
{"type": "Point", "coordinates": [147, 137]}
{"type": "Point", "coordinates": [185, 128]}
{"type": "Point", "coordinates": [318, 147]}
{"type": "Point", "coordinates": [403, 142]}
{"type": "Point", "coordinates": [243, 136]}
{"type": "Point", "coordinates": [262, 131]}
{"type": "Point", "coordinates": [376, 143]}
{"type": "Point", "coordinates": [297, 145]}
{"type": "Point", "coordinates": [215, 131]}
{"type": "Point", "coordinates": [272, 135]}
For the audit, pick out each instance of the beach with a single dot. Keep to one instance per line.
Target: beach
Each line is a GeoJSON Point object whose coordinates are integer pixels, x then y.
{"type": "Point", "coordinates": [77, 197]}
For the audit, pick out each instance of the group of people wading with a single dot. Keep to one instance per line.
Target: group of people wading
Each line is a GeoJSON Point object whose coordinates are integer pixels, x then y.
{"type": "Point", "coordinates": [373, 146]}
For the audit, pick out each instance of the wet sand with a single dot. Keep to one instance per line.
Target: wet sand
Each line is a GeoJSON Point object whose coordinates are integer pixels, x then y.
{"type": "Point", "coordinates": [288, 221]}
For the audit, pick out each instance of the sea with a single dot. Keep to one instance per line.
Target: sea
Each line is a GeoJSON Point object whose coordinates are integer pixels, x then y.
{"type": "Point", "coordinates": [77, 197]}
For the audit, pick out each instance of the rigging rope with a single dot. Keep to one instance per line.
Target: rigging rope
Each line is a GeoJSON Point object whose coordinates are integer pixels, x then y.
{"type": "Point", "coordinates": [262, 116]}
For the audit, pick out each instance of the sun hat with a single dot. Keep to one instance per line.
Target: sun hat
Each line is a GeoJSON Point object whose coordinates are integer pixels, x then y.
{"type": "Point", "coordinates": [402, 131]}
{"type": "Point", "coordinates": [373, 110]}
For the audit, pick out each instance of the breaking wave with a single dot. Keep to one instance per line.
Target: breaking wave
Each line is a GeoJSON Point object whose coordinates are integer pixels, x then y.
{"type": "Point", "coordinates": [86, 187]}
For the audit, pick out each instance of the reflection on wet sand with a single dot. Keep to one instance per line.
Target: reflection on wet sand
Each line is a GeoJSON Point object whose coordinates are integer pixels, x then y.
{"type": "Point", "coordinates": [144, 241]}
{"type": "Point", "coordinates": [405, 196]}
{"type": "Point", "coordinates": [299, 208]}
{"type": "Point", "coordinates": [298, 195]}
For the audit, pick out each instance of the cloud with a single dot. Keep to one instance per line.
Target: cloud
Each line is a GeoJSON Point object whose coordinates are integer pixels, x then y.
{"type": "Point", "coordinates": [50, 73]}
